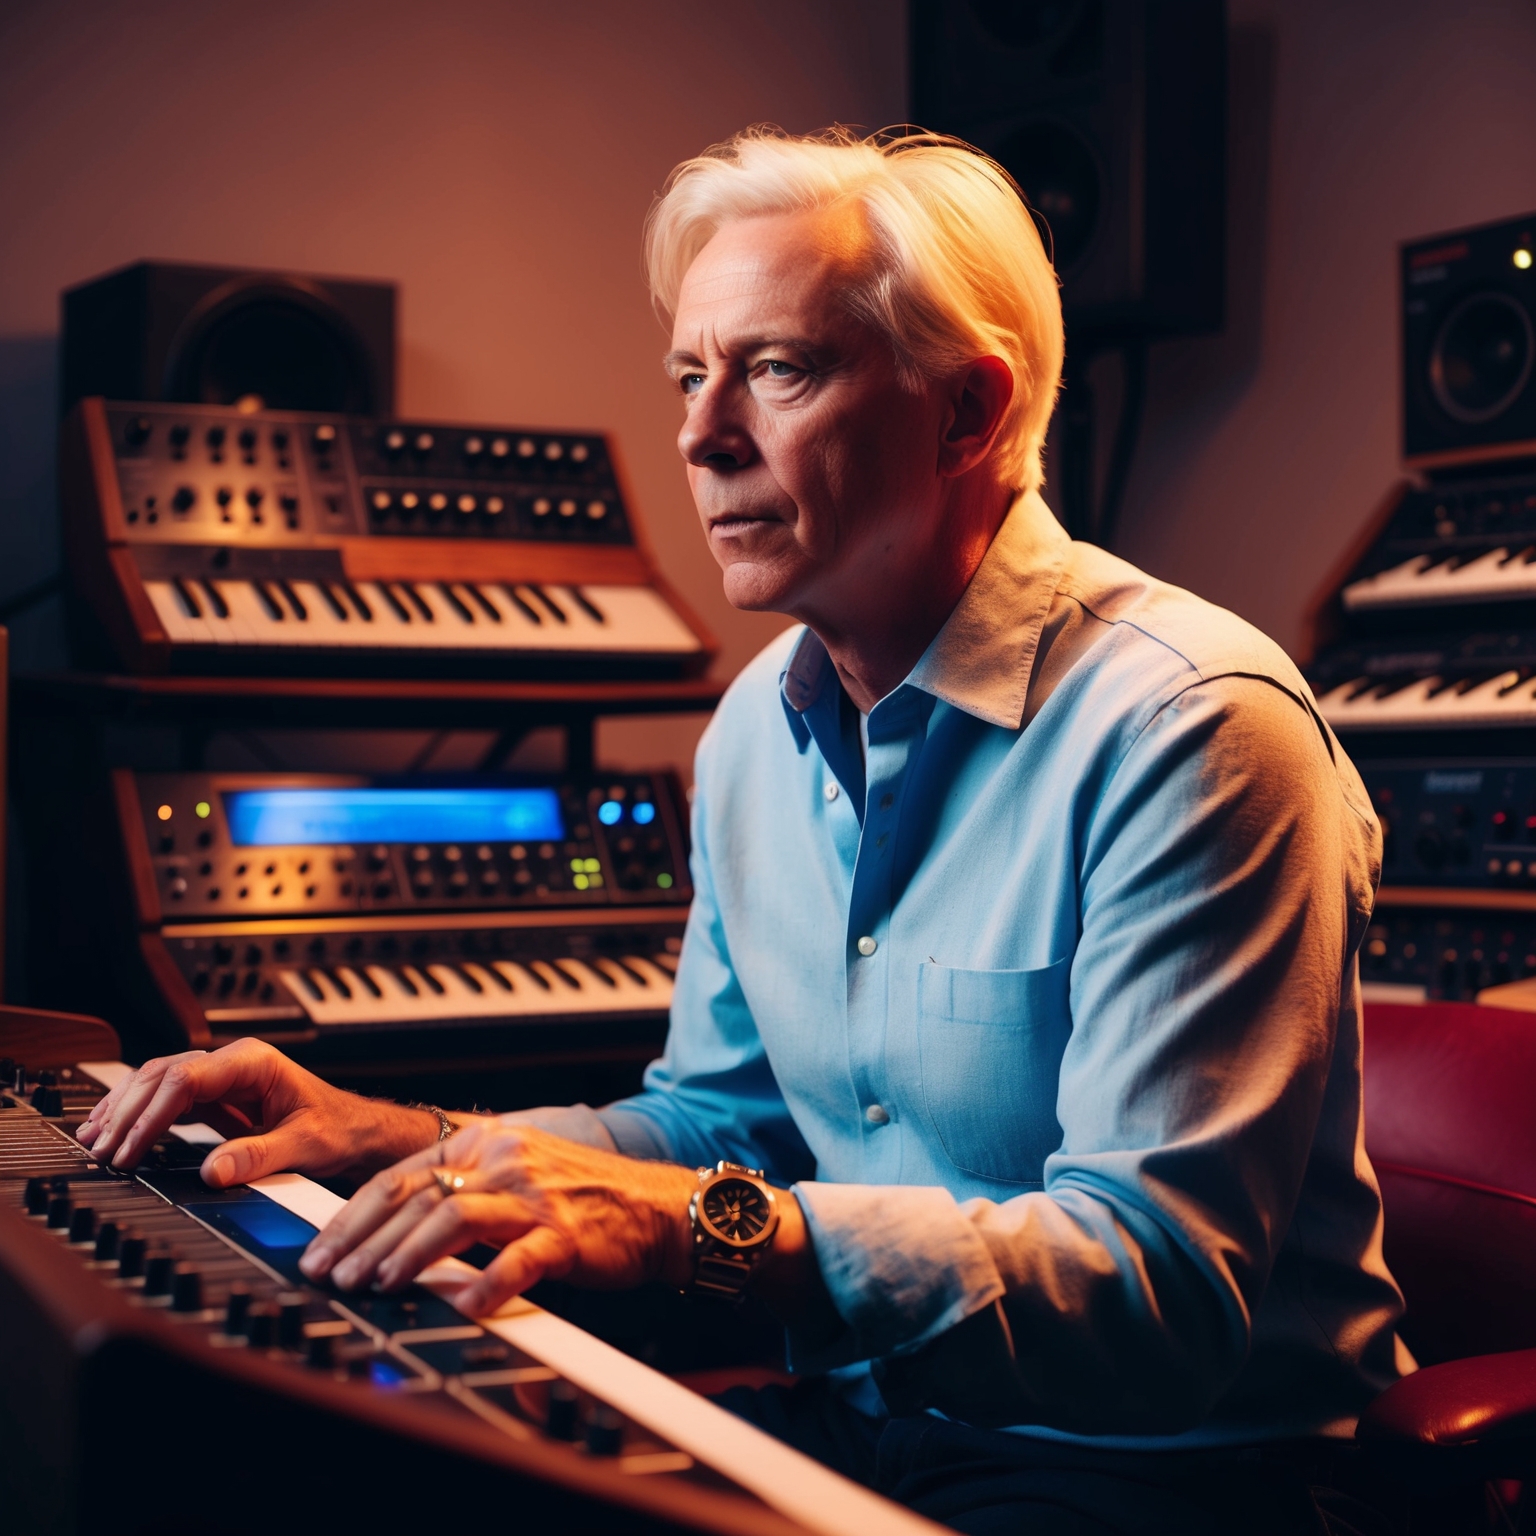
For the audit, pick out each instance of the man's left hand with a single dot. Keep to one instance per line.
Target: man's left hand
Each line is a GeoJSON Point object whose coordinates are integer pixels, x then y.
{"type": "Point", "coordinates": [555, 1208]}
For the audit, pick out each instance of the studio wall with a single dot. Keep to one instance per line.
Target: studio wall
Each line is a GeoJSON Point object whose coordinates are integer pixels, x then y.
{"type": "Point", "coordinates": [497, 160]}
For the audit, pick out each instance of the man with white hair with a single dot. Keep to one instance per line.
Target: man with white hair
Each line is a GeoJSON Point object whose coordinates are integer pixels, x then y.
{"type": "Point", "coordinates": [1015, 1051]}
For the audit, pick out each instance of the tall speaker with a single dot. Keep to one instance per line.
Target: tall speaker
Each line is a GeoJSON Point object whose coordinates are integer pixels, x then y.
{"type": "Point", "coordinates": [219, 335]}
{"type": "Point", "coordinates": [1111, 115]}
{"type": "Point", "coordinates": [1469, 345]}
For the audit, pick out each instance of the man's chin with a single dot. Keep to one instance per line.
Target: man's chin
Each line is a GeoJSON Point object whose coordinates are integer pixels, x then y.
{"type": "Point", "coordinates": [757, 587]}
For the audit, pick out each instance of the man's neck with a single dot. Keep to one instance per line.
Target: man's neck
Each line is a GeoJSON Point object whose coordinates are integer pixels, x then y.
{"type": "Point", "coordinates": [875, 644]}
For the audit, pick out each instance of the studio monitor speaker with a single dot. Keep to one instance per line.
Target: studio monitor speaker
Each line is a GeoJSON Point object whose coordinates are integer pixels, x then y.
{"type": "Point", "coordinates": [219, 335]}
{"type": "Point", "coordinates": [1111, 115]}
{"type": "Point", "coordinates": [1469, 343]}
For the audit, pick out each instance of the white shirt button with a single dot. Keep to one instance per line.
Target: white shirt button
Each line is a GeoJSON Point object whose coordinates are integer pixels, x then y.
{"type": "Point", "coordinates": [867, 946]}
{"type": "Point", "coordinates": [830, 791]}
{"type": "Point", "coordinates": [876, 1114]}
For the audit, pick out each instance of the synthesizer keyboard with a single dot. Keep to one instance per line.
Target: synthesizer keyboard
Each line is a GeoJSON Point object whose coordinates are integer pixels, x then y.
{"type": "Point", "coordinates": [1432, 625]}
{"type": "Point", "coordinates": [201, 538]}
{"type": "Point", "coordinates": [155, 1325]}
{"type": "Point", "coordinates": [299, 906]}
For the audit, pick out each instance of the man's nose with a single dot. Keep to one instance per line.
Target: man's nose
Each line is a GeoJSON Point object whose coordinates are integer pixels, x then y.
{"type": "Point", "coordinates": [713, 436]}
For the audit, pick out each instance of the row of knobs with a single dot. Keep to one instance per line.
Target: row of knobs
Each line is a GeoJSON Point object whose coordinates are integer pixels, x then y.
{"type": "Point", "coordinates": [47, 1097]}
{"type": "Point", "coordinates": [275, 1324]}
{"type": "Point", "coordinates": [395, 441]}
{"type": "Point", "coordinates": [162, 1274]}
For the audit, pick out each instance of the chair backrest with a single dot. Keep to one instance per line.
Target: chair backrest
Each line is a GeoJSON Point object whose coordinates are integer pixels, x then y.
{"type": "Point", "coordinates": [1450, 1125]}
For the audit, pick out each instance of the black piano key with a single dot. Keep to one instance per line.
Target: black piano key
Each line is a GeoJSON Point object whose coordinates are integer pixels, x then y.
{"type": "Point", "coordinates": [469, 979]}
{"type": "Point", "coordinates": [523, 607]}
{"type": "Point", "coordinates": [587, 606]}
{"type": "Point", "coordinates": [556, 612]}
{"type": "Point", "coordinates": [501, 981]}
{"type": "Point", "coordinates": [268, 601]}
{"type": "Point", "coordinates": [491, 611]}
{"type": "Point", "coordinates": [338, 981]}
{"type": "Point", "coordinates": [401, 611]}
{"type": "Point", "coordinates": [215, 599]}
{"type": "Point", "coordinates": [333, 602]}
{"type": "Point", "coordinates": [539, 978]}
{"type": "Point", "coordinates": [419, 602]}
{"type": "Point", "coordinates": [358, 601]}
{"type": "Point", "coordinates": [405, 979]}
{"type": "Point", "coordinates": [602, 976]}
{"type": "Point", "coordinates": [568, 977]}
{"type": "Point", "coordinates": [188, 602]}
{"type": "Point", "coordinates": [300, 611]}
{"type": "Point", "coordinates": [432, 981]}
{"type": "Point", "coordinates": [373, 987]}
{"type": "Point", "coordinates": [456, 602]}
{"type": "Point", "coordinates": [633, 971]}
{"type": "Point", "coordinates": [310, 987]}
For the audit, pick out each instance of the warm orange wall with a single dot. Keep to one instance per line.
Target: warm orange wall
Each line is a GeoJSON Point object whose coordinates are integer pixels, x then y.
{"type": "Point", "coordinates": [495, 158]}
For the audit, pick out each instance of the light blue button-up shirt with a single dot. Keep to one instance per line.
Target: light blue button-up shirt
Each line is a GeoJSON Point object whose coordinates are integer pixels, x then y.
{"type": "Point", "coordinates": [1046, 1004]}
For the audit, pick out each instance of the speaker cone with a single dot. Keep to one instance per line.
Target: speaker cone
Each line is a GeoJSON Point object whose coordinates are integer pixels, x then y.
{"type": "Point", "coordinates": [1481, 358]}
{"type": "Point", "coordinates": [274, 345]}
{"type": "Point", "coordinates": [1060, 177]}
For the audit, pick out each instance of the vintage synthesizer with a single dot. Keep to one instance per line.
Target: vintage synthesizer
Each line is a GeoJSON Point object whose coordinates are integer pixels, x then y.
{"type": "Point", "coordinates": [165, 1355]}
{"type": "Point", "coordinates": [301, 906]}
{"type": "Point", "coordinates": [1432, 624]}
{"type": "Point", "coordinates": [203, 539]}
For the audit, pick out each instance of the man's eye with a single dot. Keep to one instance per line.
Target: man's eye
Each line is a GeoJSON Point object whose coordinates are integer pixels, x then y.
{"type": "Point", "coordinates": [778, 370]}
{"type": "Point", "coordinates": [690, 383]}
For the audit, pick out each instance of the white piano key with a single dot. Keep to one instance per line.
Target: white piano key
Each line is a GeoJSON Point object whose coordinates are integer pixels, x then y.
{"type": "Point", "coordinates": [635, 620]}
{"type": "Point", "coordinates": [572, 989]}
{"type": "Point", "coordinates": [1502, 700]}
{"type": "Point", "coordinates": [1499, 574]}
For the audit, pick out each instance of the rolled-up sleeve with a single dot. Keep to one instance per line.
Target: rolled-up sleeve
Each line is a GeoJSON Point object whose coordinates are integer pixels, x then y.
{"type": "Point", "coordinates": [1223, 889]}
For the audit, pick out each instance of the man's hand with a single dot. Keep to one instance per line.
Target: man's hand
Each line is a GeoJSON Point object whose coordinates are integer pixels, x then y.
{"type": "Point", "coordinates": [557, 1210]}
{"type": "Point", "coordinates": [282, 1118]}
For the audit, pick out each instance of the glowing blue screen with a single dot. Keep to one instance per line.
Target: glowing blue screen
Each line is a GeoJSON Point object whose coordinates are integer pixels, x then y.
{"type": "Point", "coordinates": [264, 818]}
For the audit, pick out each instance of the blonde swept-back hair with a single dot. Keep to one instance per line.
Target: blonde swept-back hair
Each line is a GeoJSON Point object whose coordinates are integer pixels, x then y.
{"type": "Point", "coordinates": [956, 269]}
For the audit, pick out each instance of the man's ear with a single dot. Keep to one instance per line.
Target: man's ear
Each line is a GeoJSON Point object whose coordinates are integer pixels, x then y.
{"type": "Point", "coordinates": [979, 399]}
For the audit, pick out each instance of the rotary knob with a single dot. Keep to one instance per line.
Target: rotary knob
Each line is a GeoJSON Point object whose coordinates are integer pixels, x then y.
{"type": "Point", "coordinates": [60, 1208]}
{"type": "Point", "coordinates": [186, 1289]}
{"type": "Point", "coordinates": [261, 1325]}
{"type": "Point", "coordinates": [106, 1242]}
{"type": "Point", "coordinates": [130, 1256]}
{"type": "Point", "coordinates": [290, 1319]}
{"type": "Point", "coordinates": [37, 1197]}
{"type": "Point", "coordinates": [158, 1269]}
{"type": "Point", "coordinates": [560, 1416]}
{"type": "Point", "coordinates": [82, 1225]}
{"type": "Point", "coordinates": [237, 1310]}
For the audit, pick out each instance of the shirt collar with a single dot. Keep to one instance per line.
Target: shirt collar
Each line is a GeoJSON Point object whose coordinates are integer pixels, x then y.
{"type": "Point", "coordinates": [981, 660]}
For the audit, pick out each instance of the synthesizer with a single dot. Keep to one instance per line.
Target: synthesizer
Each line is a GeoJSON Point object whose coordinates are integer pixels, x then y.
{"type": "Point", "coordinates": [302, 906]}
{"type": "Point", "coordinates": [165, 1354]}
{"type": "Point", "coordinates": [204, 539]}
{"type": "Point", "coordinates": [1432, 624]}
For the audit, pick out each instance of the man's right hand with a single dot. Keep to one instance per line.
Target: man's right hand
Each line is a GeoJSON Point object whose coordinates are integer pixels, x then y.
{"type": "Point", "coordinates": [279, 1117]}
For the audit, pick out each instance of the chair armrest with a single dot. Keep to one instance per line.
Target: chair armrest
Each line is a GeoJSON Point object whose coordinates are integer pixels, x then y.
{"type": "Point", "coordinates": [1460, 1403]}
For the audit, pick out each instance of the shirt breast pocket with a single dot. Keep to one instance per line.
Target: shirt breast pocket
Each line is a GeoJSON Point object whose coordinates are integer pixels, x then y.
{"type": "Point", "coordinates": [990, 1045]}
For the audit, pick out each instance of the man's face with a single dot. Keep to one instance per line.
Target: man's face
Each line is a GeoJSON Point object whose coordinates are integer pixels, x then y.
{"type": "Point", "coordinates": [814, 471]}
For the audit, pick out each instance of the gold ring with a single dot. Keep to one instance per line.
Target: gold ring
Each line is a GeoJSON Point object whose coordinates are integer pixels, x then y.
{"type": "Point", "coordinates": [449, 1183]}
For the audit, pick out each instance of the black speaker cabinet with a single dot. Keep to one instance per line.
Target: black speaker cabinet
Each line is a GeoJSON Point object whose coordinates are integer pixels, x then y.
{"type": "Point", "coordinates": [219, 335]}
{"type": "Point", "coordinates": [1469, 342]}
{"type": "Point", "coordinates": [1111, 115]}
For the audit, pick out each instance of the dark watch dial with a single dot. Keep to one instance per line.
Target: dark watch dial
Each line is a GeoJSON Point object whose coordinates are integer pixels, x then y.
{"type": "Point", "coordinates": [735, 1210]}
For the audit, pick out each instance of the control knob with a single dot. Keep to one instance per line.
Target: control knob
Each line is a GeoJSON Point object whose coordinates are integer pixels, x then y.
{"type": "Point", "coordinates": [605, 1431]}
{"type": "Point", "coordinates": [48, 1102]}
{"type": "Point", "coordinates": [237, 1310]}
{"type": "Point", "coordinates": [158, 1268]}
{"type": "Point", "coordinates": [560, 1416]}
{"type": "Point", "coordinates": [37, 1197]}
{"type": "Point", "coordinates": [82, 1225]}
{"type": "Point", "coordinates": [186, 1289]}
{"type": "Point", "coordinates": [130, 1256]}
{"type": "Point", "coordinates": [106, 1242]}
{"type": "Point", "coordinates": [59, 1210]}
{"type": "Point", "coordinates": [261, 1325]}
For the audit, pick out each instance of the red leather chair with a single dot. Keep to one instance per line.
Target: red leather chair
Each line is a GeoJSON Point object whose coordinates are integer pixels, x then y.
{"type": "Point", "coordinates": [1450, 1124]}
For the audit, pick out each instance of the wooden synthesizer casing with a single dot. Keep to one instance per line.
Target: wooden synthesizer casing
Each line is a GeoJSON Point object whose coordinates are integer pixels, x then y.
{"type": "Point", "coordinates": [463, 551]}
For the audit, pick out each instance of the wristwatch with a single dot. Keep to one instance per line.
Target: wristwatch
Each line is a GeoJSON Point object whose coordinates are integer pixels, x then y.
{"type": "Point", "coordinates": [734, 1216]}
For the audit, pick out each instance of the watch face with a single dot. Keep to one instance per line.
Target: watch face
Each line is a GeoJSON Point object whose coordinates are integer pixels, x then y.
{"type": "Point", "coordinates": [735, 1211]}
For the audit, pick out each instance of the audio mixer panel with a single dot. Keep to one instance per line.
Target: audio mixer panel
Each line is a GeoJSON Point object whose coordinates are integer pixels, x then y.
{"type": "Point", "coordinates": [123, 1290]}
{"type": "Point", "coordinates": [202, 538]}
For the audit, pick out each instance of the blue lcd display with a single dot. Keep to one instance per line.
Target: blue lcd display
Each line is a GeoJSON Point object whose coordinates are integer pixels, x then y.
{"type": "Point", "coordinates": [265, 818]}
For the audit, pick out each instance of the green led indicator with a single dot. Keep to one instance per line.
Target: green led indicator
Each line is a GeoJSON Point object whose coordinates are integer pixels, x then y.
{"type": "Point", "coordinates": [580, 882]}
{"type": "Point", "coordinates": [203, 809]}
{"type": "Point", "coordinates": [664, 881]}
